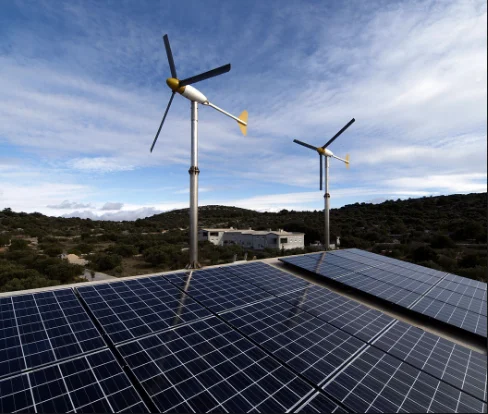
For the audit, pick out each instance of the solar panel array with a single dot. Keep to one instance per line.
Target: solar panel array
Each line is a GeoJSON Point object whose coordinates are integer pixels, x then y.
{"type": "Point", "coordinates": [237, 339]}
{"type": "Point", "coordinates": [454, 300]}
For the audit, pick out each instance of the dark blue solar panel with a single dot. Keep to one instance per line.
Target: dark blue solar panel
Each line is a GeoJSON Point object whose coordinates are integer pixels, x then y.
{"type": "Point", "coordinates": [455, 364]}
{"type": "Point", "coordinates": [208, 366]}
{"type": "Point", "coordinates": [345, 314]}
{"type": "Point", "coordinates": [377, 381]}
{"type": "Point", "coordinates": [93, 383]}
{"type": "Point", "coordinates": [267, 277]}
{"type": "Point", "coordinates": [319, 403]}
{"type": "Point", "coordinates": [476, 292]}
{"type": "Point", "coordinates": [134, 308]}
{"type": "Point", "coordinates": [42, 328]}
{"type": "Point", "coordinates": [217, 289]}
{"type": "Point", "coordinates": [408, 285]}
{"type": "Point", "coordinates": [465, 281]}
{"type": "Point", "coordinates": [310, 346]}
{"type": "Point", "coordinates": [469, 303]}
{"type": "Point", "coordinates": [469, 321]}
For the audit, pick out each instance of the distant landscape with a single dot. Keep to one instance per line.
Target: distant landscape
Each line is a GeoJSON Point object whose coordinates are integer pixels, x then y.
{"type": "Point", "coordinates": [448, 233]}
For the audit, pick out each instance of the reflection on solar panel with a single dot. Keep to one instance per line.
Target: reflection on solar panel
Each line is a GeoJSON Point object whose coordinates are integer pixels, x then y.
{"type": "Point", "coordinates": [43, 328]}
{"type": "Point", "coordinates": [268, 278]}
{"type": "Point", "coordinates": [92, 383]}
{"type": "Point", "coordinates": [427, 291]}
{"type": "Point", "coordinates": [376, 381]}
{"type": "Point", "coordinates": [217, 289]}
{"type": "Point", "coordinates": [128, 310]}
{"type": "Point", "coordinates": [345, 314]}
{"type": "Point", "coordinates": [208, 366]}
{"type": "Point", "coordinates": [445, 360]}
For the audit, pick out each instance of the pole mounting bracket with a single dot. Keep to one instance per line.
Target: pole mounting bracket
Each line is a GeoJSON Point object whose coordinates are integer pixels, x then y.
{"type": "Point", "coordinates": [326, 195]}
{"type": "Point", "coordinates": [194, 170]}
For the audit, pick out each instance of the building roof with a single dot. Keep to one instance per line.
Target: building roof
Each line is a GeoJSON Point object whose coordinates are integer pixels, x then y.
{"type": "Point", "coordinates": [254, 232]}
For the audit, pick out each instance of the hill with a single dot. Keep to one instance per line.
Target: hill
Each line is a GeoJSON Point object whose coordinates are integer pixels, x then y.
{"type": "Point", "coordinates": [446, 232]}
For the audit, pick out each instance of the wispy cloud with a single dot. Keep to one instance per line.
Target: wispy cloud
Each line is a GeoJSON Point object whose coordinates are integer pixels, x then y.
{"type": "Point", "coordinates": [111, 206]}
{"type": "Point", "coordinates": [68, 205]}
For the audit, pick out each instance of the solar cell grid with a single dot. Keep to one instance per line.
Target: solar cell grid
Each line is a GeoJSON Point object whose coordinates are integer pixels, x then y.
{"type": "Point", "coordinates": [42, 328]}
{"type": "Point", "coordinates": [208, 366]}
{"type": "Point", "coordinates": [342, 262]}
{"type": "Point", "coordinates": [310, 346]}
{"type": "Point", "coordinates": [131, 309]}
{"type": "Point", "coordinates": [345, 314]}
{"type": "Point", "coordinates": [465, 281]}
{"type": "Point", "coordinates": [457, 365]}
{"type": "Point", "coordinates": [268, 277]}
{"type": "Point", "coordinates": [469, 321]}
{"type": "Point", "coordinates": [92, 383]}
{"type": "Point", "coordinates": [464, 289]}
{"type": "Point", "coordinates": [376, 381]}
{"type": "Point", "coordinates": [218, 289]}
{"type": "Point", "coordinates": [397, 280]}
{"type": "Point", "coordinates": [458, 300]}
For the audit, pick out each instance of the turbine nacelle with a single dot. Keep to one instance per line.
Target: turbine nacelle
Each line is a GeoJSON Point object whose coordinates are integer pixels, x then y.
{"type": "Point", "coordinates": [324, 152]}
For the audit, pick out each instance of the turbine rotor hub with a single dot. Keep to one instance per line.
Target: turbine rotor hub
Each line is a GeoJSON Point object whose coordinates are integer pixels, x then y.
{"type": "Point", "coordinates": [174, 85]}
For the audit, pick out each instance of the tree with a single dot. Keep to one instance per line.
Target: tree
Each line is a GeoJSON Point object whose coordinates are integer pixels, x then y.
{"type": "Point", "coordinates": [424, 254]}
{"type": "Point", "coordinates": [441, 241]}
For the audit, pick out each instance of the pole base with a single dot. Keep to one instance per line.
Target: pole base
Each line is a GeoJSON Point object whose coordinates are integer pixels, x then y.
{"type": "Point", "coordinates": [194, 265]}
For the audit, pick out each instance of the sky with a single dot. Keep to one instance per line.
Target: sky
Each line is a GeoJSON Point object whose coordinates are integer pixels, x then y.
{"type": "Point", "coordinates": [82, 87]}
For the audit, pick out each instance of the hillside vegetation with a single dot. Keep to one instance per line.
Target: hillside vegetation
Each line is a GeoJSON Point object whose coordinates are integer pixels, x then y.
{"type": "Point", "coordinates": [446, 232]}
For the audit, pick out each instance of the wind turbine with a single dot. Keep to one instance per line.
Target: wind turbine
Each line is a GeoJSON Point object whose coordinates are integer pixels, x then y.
{"type": "Point", "coordinates": [326, 153]}
{"type": "Point", "coordinates": [184, 88]}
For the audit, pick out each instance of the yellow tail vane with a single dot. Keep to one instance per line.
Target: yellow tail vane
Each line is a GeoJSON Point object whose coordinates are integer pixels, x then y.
{"type": "Point", "coordinates": [243, 117]}
{"type": "Point", "coordinates": [347, 160]}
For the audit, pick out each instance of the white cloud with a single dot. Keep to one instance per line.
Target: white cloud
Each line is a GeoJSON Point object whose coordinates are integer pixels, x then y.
{"type": "Point", "coordinates": [112, 206]}
{"type": "Point", "coordinates": [68, 205]}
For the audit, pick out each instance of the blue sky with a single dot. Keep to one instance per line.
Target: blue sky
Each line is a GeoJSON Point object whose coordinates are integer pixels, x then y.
{"type": "Point", "coordinates": [83, 91]}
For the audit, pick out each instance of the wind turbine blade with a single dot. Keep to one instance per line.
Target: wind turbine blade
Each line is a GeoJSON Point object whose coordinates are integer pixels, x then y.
{"type": "Point", "coordinates": [162, 122]}
{"type": "Point", "coordinates": [210, 74]}
{"type": "Point", "coordinates": [321, 171]}
{"type": "Point", "coordinates": [304, 144]}
{"type": "Point", "coordinates": [169, 54]}
{"type": "Point", "coordinates": [330, 141]}
{"type": "Point", "coordinates": [348, 163]}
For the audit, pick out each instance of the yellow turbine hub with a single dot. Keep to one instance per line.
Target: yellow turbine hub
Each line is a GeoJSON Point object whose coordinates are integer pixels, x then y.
{"type": "Point", "coordinates": [320, 150]}
{"type": "Point", "coordinates": [174, 85]}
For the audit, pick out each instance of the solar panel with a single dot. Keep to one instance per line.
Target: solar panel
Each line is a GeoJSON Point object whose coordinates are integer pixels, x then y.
{"type": "Point", "coordinates": [476, 292]}
{"type": "Point", "coordinates": [469, 321]}
{"type": "Point", "coordinates": [458, 300]}
{"type": "Point", "coordinates": [377, 381]}
{"type": "Point", "coordinates": [138, 307]}
{"type": "Point", "coordinates": [455, 364]}
{"type": "Point", "coordinates": [92, 383]}
{"type": "Point", "coordinates": [42, 328]}
{"type": "Point", "coordinates": [465, 281]}
{"type": "Point", "coordinates": [319, 403]}
{"type": "Point", "coordinates": [268, 278]}
{"type": "Point", "coordinates": [420, 289]}
{"type": "Point", "coordinates": [217, 289]}
{"type": "Point", "coordinates": [208, 366]}
{"type": "Point", "coordinates": [310, 346]}
{"type": "Point", "coordinates": [345, 314]}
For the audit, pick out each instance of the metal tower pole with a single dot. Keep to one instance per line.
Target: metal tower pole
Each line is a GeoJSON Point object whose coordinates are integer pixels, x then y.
{"type": "Point", "coordinates": [194, 171]}
{"type": "Point", "coordinates": [326, 206]}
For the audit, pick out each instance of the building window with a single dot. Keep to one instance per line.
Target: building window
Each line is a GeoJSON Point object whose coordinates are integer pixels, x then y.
{"type": "Point", "coordinates": [284, 240]}
{"type": "Point", "coordinates": [205, 234]}
{"type": "Point", "coordinates": [214, 234]}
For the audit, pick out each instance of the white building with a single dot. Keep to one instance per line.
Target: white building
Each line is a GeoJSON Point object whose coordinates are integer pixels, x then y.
{"type": "Point", "coordinates": [253, 239]}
